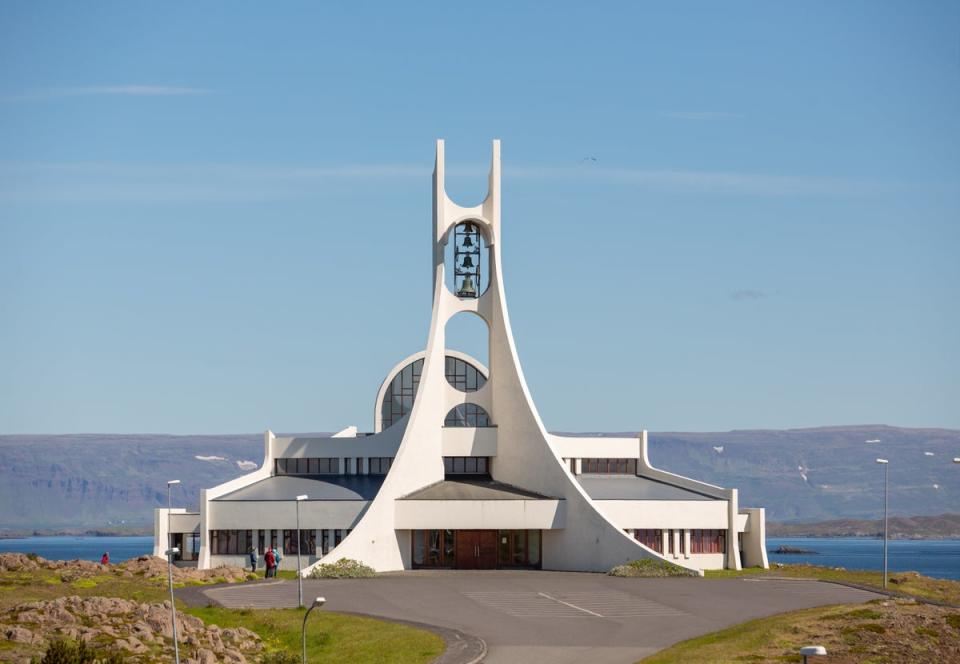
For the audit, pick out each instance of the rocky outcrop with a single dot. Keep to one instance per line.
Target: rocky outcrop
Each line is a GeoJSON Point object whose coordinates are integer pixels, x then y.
{"type": "Point", "coordinates": [140, 632]}
{"type": "Point", "coordinates": [150, 567]}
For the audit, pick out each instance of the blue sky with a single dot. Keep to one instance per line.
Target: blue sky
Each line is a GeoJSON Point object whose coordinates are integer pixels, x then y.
{"type": "Point", "coordinates": [215, 217]}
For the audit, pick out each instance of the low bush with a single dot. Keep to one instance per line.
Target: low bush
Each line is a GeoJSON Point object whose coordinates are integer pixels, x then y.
{"type": "Point", "coordinates": [78, 652]}
{"type": "Point", "coordinates": [345, 568]}
{"type": "Point", "coordinates": [649, 568]}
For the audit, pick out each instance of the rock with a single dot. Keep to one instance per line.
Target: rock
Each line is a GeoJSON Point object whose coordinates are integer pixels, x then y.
{"type": "Point", "coordinates": [205, 656]}
{"type": "Point", "coordinates": [19, 635]}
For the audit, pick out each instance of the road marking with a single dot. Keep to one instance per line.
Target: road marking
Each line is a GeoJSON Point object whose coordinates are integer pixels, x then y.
{"type": "Point", "coordinates": [601, 604]}
{"type": "Point", "coordinates": [572, 606]}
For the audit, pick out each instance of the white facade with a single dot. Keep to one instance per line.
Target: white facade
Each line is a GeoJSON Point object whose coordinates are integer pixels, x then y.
{"type": "Point", "coordinates": [491, 487]}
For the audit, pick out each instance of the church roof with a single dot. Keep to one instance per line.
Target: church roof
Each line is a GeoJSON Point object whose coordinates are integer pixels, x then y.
{"type": "Point", "coordinates": [633, 487]}
{"type": "Point", "coordinates": [316, 487]}
{"type": "Point", "coordinates": [473, 489]}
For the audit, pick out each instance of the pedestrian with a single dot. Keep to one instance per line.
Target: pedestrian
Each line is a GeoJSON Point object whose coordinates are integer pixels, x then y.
{"type": "Point", "coordinates": [105, 558]}
{"type": "Point", "coordinates": [271, 562]}
{"type": "Point", "coordinates": [253, 559]}
{"type": "Point", "coordinates": [278, 556]}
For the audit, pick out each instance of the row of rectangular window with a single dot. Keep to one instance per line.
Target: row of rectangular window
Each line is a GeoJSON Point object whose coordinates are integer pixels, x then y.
{"type": "Point", "coordinates": [701, 540]}
{"type": "Point", "coordinates": [242, 542]}
{"type": "Point", "coordinates": [330, 465]}
{"type": "Point", "coordinates": [466, 465]}
{"type": "Point", "coordinates": [308, 466]}
{"type": "Point", "coordinates": [608, 466]}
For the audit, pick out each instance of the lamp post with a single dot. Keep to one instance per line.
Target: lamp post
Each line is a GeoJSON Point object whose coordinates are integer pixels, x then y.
{"type": "Point", "coordinates": [299, 578]}
{"type": "Point", "coordinates": [317, 603]}
{"type": "Point", "coordinates": [171, 551]}
{"type": "Point", "coordinates": [886, 485]}
{"type": "Point", "coordinates": [809, 651]}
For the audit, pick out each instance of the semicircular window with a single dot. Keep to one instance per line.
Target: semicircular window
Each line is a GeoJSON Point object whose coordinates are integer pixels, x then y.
{"type": "Point", "coordinates": [463, 375]}
{"type": "Point", "coordinates": [402, 390]}
{"type": "Point", "coordinates": [467, 415]}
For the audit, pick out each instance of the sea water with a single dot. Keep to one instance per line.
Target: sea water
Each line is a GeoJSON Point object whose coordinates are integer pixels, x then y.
{"type": "Point", "coordinates": [82, 548]}
{"type": "Point", "coordinates": [936, 558]}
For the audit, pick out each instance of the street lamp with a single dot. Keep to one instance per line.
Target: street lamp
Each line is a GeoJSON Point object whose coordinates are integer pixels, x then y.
{"type": "Point", "coordinates": [317, 603]}
{"type": "Point", "coordinates": [171, 552]}
{"type": "Point", "coordinates": [886, 484]}
{"type": "Point", "coordinates": [299, 578]}
{"type": "Point", "coordinates": [809, 651]}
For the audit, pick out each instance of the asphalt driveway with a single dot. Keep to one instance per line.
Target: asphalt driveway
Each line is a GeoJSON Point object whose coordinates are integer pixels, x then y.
{"type": "Point", "coordinates": [556, 617]}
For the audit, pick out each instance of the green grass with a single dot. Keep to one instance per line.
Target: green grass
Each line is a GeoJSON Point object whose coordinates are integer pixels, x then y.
{"type": "Point", "coordinates": [19, 587]}
{"type": "Point", "coordinates": [331, 637]}
{"type": "Point", "coordinates": [943, 590]}
{"type": "Point", "coordinates": [747, 639]}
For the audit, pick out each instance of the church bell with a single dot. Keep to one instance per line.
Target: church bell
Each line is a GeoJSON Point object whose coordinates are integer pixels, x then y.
{"type": "Point", "coordinates": [467, 288]}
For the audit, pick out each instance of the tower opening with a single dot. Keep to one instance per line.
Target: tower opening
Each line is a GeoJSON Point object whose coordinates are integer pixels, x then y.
{"type": "Point", "coordinates": [467, 261]}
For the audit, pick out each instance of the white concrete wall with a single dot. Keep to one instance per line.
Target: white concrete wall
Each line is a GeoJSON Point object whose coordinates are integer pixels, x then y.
{"type": "Point", "coordinates": [665, 513]}
{"type": "Point", "coordinates": [384, 444]}
{"type": "Point", "coordinates": [469, 441]}
{"type": "Point", "coordinates": [480, 514]}
{"type": "Point", "coordinates": [595, 447]}
{"type": "Point", "coordinates": [755, 538]}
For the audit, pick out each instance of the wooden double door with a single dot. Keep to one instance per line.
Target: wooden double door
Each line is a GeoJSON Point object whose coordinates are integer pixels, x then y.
{"type": "Point", "coordinates": [476, 549]}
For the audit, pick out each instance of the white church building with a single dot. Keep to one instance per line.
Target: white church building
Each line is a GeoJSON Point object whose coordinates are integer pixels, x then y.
{"type": "Point", "coordinates": [460, 471]}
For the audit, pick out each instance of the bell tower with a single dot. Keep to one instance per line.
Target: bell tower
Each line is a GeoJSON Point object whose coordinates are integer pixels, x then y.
{"type": "Point", "coordinates": [583, 538]}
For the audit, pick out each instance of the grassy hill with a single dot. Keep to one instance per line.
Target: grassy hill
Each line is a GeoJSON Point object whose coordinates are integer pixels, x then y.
{"type": "Point", "coordinates": [111, 480]}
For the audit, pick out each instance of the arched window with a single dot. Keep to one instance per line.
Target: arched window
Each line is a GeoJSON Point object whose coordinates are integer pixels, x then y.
{"type": "Point", "coordinates": [467, 415]}
{"type": "Point", "coordinates": [398, 399]}
{"type": "Point", "coordinates": [463, 375]}
{"type": "Point", "coordinates": [400, 393]}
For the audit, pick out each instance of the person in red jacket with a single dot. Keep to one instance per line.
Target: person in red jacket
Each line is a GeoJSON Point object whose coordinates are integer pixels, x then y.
{"type": "Point", "coordinates": [105, 558]}
{"type": "Point", "coordinates": [271, 562]}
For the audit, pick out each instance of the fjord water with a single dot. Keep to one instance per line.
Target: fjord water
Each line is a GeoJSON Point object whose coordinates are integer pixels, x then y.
{"type": "Point", "coordinates": [82, 548]}
{"type": "Point", "coordinates": [936, 558]}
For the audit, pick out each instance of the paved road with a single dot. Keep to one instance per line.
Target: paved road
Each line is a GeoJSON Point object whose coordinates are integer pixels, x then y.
{"type": "Point", "coordinates": [533, 617]}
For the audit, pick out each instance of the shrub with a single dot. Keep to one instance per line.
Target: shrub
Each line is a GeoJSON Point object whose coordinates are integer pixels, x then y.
{"type": "Point", "coordinates": [648, 567]}
{"type": "Point", "coordinates": [78, 652]}
{"type": "Point", "coordinates": [345, 568]}
{"type": "Point", "coordinates": [281, 657]}
{"type": "Point", "coordinates": [954, 620]}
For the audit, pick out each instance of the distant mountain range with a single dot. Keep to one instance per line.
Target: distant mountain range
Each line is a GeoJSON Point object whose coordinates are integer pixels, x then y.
{"type": "Point", "coordinates": [114, 481]}
{"type": "Point", "coordinates": [943, 526]}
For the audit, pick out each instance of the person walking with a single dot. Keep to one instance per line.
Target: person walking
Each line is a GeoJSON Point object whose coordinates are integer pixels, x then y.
{"type": "Point", "coordinates": [277, 556]}
{"type": "Point", "coordinates": [105, 558]}
{"type": "Point", "coordinates": [271, 562]}
{"type": "Point", "coordinates": [253, 559]}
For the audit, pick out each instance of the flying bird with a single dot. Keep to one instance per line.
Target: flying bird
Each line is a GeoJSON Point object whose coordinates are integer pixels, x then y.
{"type": "Point", "coordinates": [874, 440]}
{"type": "Point", "coordinates": [928, 453]}
{"type": "Point", "coordinates": [718, 449]}
{"type": "Point", "coordinates": [592, 160]}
